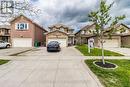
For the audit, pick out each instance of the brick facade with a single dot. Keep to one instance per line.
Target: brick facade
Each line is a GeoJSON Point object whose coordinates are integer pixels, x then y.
{"type": "Point", "coordinates": [34, 31]}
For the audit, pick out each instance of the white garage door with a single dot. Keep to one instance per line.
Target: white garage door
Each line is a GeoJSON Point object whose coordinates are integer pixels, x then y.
{"type": "Point", "coordinates": [63, 42]}
{"type": "Point", "coordinates": [111, 43]}
{"type": "Point", "coordinates": [22, 42]}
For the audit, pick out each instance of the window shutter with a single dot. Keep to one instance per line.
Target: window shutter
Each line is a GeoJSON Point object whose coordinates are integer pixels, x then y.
{"type": "Point", "coordinates": [16, 25]}
{"type": "Point", "coordinates": [27, 26]}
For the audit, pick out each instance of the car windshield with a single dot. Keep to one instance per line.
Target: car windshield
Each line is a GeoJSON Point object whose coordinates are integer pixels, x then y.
{"type": "Point", "coordinates": [54, 42]}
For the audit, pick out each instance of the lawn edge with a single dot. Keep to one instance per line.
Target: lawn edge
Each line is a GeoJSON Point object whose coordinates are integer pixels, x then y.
{"type": "Point", "coordinates": [94, 76]}
{"type": "Point", "coordinates": [9, 61]}
{"type": "Point", "coordinates": [120, 55]}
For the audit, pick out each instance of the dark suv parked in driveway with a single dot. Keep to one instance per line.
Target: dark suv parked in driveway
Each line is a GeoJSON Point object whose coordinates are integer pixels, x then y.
{"type": "Point", "coordinates": [53, 46]}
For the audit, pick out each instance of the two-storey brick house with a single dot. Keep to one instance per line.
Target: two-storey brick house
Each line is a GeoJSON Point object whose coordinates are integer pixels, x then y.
{"type": "Point", "coordinates": [24, 32]}
{"type": "Point", "coordinates": [61, 33]}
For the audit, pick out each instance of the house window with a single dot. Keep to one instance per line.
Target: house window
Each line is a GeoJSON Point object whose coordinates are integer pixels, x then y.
{"type": "Point", "coordinates": [21, 26]}
{"type": "Point", "coordinates": [83, 32]}
{"type": "Point", "coordinates": [71, 31]}
{"type": "Point", "coordinates": [118, 32]}
{"type": "Point", "coordinates": [62, 29]}
{"type": "Point", "coordinates": [6, 32]}
{"type": "Point", "coordinates": [54, 29]}
{"type": "Point", "coordinates": [126, 31]}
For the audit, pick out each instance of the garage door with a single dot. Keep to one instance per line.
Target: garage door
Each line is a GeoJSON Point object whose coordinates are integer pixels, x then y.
{"type": "Point", "coordinates": [22, 42]}
{"type": "Point", "coordinates": [111, 43]}
{"type": "Point", "coordinates": [63, 42]}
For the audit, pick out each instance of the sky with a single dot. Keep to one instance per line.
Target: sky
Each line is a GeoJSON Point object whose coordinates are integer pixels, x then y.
{"type": "Point", "coordinates": [74, 13]}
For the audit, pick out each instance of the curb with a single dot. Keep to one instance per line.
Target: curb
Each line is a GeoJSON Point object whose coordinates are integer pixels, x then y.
{"type": "Point", "coordinates": [92, 74]}
{"type": "Point", "coordinates": [16, 54]}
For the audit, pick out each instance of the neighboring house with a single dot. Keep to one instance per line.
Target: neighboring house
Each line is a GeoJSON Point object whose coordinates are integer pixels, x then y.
{"type": "Point", "coordinates": [61, 33]}
{"type": "Point", "coordinates": [5, 33]}
{"type": "Point", "coordinates": [25, 33]}
{"type": "Point", "coordinates": [124, 32]}
{"type": "Point", "coordinates": [118, 39]}
{"type": "Point", "coordinates": [84, 34]}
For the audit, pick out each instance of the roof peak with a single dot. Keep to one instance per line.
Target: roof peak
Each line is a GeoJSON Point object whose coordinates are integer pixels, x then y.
{"type": "Point", "coordinates": [27, 19]}
{"type": "Point", "coordinates": [60, 25]}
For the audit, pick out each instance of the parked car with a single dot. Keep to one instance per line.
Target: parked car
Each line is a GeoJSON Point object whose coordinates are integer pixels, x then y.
{"type": "Point", "coordinates": [53, 46]}
{"type": "Point", "coordinates": [4, 44]}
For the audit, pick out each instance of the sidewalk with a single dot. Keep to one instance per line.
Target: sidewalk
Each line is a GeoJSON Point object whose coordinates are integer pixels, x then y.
{"type": "Point", "coordinates": [107, 57]}
{"type": "Point", "coordinates": [124, 51]}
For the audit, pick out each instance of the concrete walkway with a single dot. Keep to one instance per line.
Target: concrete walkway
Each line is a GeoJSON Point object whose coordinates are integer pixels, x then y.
{"type": "Point", "coordinates": [38, 68]}
{"type": "Point", "coordinates": [124, 51]}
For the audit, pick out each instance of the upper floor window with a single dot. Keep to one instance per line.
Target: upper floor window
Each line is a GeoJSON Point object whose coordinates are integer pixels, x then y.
{"type": "Point", "coordinates": [83, 32]}
{"type": "Point", "coordinates": [62, 29]}
{"type": "Point", "coordinates": [6, 31]}
{"type": "Point", "coordinates": [21, 26]}
{"type": "Point", "coordinates": [126, 31]}
{"type": "Point", "coordinates": [50, 29]}
{"type": "Point", "coordinates": [70, 31]}
{"type": "Point", "coordinates": [54, 29]}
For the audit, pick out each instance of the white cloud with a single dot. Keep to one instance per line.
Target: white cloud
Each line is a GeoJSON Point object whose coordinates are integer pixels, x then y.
{"type": "Point", "coordinates": [69, 12]}
{"type": "Point", "coordinates": [74, 12]}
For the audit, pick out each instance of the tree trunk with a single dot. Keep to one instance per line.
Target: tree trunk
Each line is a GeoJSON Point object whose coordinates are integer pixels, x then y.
{"type": "Point", "coordinates": [102, 52]}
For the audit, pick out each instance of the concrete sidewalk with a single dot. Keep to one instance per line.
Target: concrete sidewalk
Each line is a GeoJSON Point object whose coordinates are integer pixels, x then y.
{"type": "Point", "coordinates": [124, 51]}
{"type": "Point", "coordinates": [107, 57]}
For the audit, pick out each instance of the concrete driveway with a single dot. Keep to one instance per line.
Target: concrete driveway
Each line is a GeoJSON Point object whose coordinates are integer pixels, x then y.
{"type": "Point", "coordinates": [124, 51]}
{"type": "Point", "coordinates": [13, 50]}
{"type": "Point", "coordinates": [38, 68]}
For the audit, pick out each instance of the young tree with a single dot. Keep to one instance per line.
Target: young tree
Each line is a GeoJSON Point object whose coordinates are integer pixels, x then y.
{"type": "Point", "coordinates": [102, 18]}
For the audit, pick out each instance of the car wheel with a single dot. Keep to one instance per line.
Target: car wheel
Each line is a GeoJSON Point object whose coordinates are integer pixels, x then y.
{"type": "Point", "coordinates": [8, 46]}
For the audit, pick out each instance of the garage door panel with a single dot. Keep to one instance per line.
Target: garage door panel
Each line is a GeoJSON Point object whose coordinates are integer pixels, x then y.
{"type": "Point", "coordinates": [22, 42]}
{"type": "Point", "coordinates": [63, 42]}
{"type": "Point", "coordinates": [111, 43]}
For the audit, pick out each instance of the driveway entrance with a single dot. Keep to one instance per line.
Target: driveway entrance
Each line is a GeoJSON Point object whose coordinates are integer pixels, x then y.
{"type": "Point", "coordinates": [38, 68]}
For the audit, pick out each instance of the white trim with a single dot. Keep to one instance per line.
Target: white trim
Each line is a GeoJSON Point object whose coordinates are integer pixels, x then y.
{"type": "Point", "coordinates": [16, 25]}
{"type": "Point", "coordinates": [27, 26]}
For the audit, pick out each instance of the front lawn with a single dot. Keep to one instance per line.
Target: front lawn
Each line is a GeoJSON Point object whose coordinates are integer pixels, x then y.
{"type": "Point", "coordinates": [119, 77]}
{"type": "Point", "coordinates": [3, 61]}
{"type": "Point", "coordinates": [95, 52]}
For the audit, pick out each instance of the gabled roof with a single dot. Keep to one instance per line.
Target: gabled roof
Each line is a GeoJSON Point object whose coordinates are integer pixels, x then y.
{"type": "Point", "coordinates": [107, 29]}
{"type": "Point", "coordinates": [116, 26]}
{"type": "Point", "coordinates": [55, 31]}
{"type": "Point", "coordinates": [60, 26]}
{"type": "Point", "coordinates": [28, 20]}
{"type": "Point", "coordinates": [123, 25]}
{"type": "Point", "coordinates": [86, 27]}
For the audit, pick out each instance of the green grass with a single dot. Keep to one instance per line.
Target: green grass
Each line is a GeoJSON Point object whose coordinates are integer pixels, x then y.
{"type": "Point", "coordinates": [96, 51]}
{"type": "Point", "coordinates": [3, 61]}
{"type": "Point", "coordinates": [119, 77]}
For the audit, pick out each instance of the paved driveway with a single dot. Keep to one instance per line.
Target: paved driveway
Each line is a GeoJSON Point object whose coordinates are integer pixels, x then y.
{"type": "Point", "coordinates": [38, 68]}
{"type": "Point", "coordinates": [13, 50]}
{"type": "Point", "coordinates": [124, 51]}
